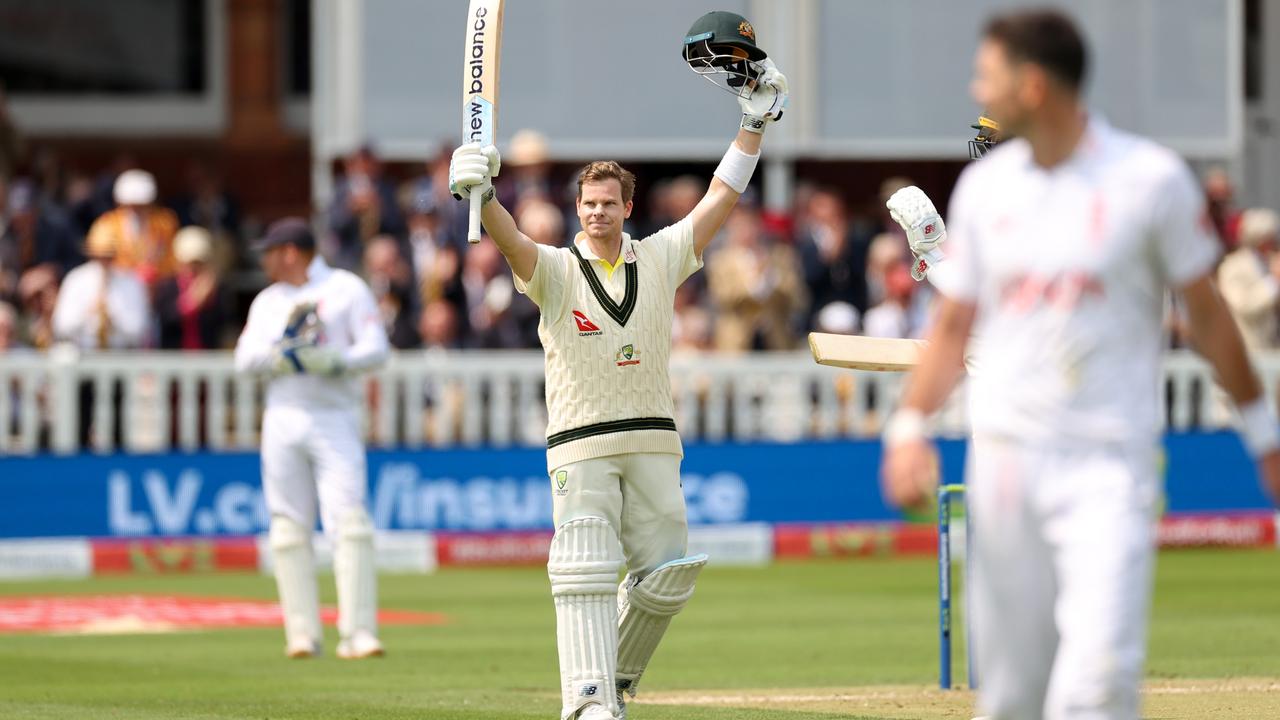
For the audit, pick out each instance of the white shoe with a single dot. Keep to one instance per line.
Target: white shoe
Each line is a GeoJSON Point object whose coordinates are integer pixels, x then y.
{"type": "Point", "coordinates": [595, 711]}
{"type": "Point", "coordinates": [302, 649]}
{"type": "Point", "coordinates": [359, 646]}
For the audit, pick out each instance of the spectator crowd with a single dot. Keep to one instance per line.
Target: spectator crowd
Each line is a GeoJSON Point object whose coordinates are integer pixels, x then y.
{"type": "Point", "coordinates": [100, 262]}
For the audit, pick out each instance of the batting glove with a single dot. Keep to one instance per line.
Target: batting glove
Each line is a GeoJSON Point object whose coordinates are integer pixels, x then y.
{"type": "Point", "coordinates": [919, 219]}
{"type": "Point", "coordinates": [472, 169]}
{"type": "Point", "coordinates": [767, 101]}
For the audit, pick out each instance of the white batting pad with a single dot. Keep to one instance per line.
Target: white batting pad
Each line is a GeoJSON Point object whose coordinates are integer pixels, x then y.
{"type": "Point", "coordinates": [584, 563]}
{"type": "Point", "coordinates": [645, 610]}
{"type": "Point", "coordinates": [355, 575]}
{"type": "Point", "coordinates": [295, 571]}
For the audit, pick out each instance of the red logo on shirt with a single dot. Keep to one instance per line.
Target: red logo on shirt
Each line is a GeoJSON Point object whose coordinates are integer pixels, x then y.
{"type": "Point", "coordinates": [1063, 292]}
{"type": "Point", "coordinates": [585, 326]}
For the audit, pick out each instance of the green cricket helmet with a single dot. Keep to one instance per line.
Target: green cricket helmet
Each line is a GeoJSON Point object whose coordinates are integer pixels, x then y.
{"type": "Point", "coordinates": [721, 47]}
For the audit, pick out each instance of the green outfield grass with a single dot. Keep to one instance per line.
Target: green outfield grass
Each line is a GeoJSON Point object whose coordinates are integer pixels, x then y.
{"type": "Point", "coordinates": [813, 640]}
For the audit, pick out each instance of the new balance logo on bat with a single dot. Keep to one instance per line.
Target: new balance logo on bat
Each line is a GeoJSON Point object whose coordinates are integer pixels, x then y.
{"type": "Point", "coordinates": [585, 326]}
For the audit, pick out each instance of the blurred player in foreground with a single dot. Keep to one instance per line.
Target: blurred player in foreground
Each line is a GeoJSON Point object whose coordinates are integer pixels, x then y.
{"type": "Point", "coordinates": [310, 332]}
{"type": "Point", "coordinates": [1062, 244]}
{"type": "Point", "coordinates": [613, 453]}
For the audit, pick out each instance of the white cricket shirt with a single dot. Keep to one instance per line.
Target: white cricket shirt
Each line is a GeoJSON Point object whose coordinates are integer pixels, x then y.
{"type": "Point", "coordinates": [606, 331]}
{"type": "Point", "coordinates": [93, 289]}
{"type": "Point", "coordinates": [351, 324]}
{"type": "Point", "coordinates": [1068, 267]}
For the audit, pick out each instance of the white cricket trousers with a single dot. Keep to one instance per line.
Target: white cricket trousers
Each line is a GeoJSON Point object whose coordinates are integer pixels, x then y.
{"type": "Point", "coordinates": [1061, 570]}
{"type": "Point", "coordinates": [638, 494]}
{"type": "Point", "coordinates": [312, 457]}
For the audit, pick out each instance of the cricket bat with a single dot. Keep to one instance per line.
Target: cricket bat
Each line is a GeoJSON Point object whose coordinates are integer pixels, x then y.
{"type": "Point", "coordinates": [481, 58]}
{"type": "Point", "coordinates": [865, 353]}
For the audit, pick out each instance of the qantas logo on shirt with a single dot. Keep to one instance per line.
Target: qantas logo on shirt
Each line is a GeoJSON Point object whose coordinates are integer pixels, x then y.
{"type": "Point", "coordinates": [585, 326]}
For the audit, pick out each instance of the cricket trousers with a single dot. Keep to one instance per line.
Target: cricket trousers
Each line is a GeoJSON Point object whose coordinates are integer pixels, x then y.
{"type": "Point", "coordinates": [1061, 571]}
{"type": "Point", "coordinates": [638, 494]}
{"type": "Point", "coordinates": [313, 457]}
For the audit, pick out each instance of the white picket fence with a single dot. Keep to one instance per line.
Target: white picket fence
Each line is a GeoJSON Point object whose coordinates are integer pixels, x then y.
{"type": "Point", "coordinates": [187, 401]}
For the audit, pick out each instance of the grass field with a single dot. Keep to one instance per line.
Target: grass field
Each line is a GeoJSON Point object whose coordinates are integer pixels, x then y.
{"type": "Point", "coordinates": [792, 641]}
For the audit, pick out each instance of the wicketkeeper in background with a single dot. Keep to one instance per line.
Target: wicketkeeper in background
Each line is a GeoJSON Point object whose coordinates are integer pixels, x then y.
{"type": "Point", "coordinates": [311, 332]}
{"type": "Point", "coordinates": [613, 453]}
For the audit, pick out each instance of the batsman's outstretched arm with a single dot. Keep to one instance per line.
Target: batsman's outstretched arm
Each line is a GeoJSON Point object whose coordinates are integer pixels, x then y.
{"type": "Point", "coordinates": [714, 208]}
{"type": "Point", "coordinates": [472, 170]}
{"type": "Point", "coordinates": [761, 108]}
{"type": "Point", "coordinates": [1217, 339]}
{"type": "Point", "coordinates": [520, 251]}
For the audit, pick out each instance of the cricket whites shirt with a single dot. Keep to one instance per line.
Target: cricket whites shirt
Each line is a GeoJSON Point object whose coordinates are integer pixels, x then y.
{"type": "Point", "coordinates": [1069, 267]}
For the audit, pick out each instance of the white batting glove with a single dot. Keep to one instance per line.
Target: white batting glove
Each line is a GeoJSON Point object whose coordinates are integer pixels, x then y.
{"type": "Point", "coordinates": [473, 168]}
{"type": "Point", "coordinates": [319, 360]}
{"type": "Point", "coordinates": [767, 100]}
{"type": "Point", "coordinates": [914, 211]}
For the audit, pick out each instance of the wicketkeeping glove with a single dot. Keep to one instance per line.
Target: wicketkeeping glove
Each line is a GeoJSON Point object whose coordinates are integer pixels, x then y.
{"type": "Point", "coordinates": [767, 101]}
{"type": "Point", "coordinates": [303, 325]}
{"type": "Point", "coordinates": [472, 169]}
{"type": "Point", "coordinates": [914, 211]}
{"type": "Point", "coordinates": [320, 360]}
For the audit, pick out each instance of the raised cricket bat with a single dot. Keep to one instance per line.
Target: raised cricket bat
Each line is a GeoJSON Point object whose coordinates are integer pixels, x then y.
{"type": "Point", "coordinates": [865, 353]}
{"type": "Point", "coordinates": [481, 58]}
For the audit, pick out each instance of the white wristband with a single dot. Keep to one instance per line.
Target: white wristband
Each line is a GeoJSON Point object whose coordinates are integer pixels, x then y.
{"type": "Point", "coordinates": [906, 425]}
{"type": "Point", "coordinates": [1258, 429]}
{"type": "Point", "coordinates": [736, 168]}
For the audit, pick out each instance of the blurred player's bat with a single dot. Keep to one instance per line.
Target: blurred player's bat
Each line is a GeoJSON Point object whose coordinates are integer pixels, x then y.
{"type": "Point", "coordinates": [865, 353]}
{"type": "Point", "coordinates": [482, 52]}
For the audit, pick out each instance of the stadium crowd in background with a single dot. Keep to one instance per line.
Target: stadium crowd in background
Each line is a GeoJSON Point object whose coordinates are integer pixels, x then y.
{"type": "Point", "coordinates": [176, 257]}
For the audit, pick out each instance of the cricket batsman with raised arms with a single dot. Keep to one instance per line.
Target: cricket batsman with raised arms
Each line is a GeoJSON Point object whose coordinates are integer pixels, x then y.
{"type": "Point", "coordinates": [613, 453]}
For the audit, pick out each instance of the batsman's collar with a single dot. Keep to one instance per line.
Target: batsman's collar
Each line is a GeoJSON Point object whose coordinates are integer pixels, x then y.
{"type": "Point", "coordinates": [626, 254]}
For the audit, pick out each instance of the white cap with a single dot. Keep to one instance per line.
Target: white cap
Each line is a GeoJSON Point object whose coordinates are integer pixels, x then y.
{"type": "Point", "coordinates": [528, 147]}
{"type": "Point", "coordinates": [838, 317]}
{"type": "Point", "coordinates": [1257, 225]}
{"type": "Point", "coordinates": [135, 187]}
{"type": "Point", "coordinates": [192, 244]}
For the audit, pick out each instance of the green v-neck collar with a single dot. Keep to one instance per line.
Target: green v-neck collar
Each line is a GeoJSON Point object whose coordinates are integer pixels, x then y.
{"type": "Point", "coordinates": [620, 312]}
